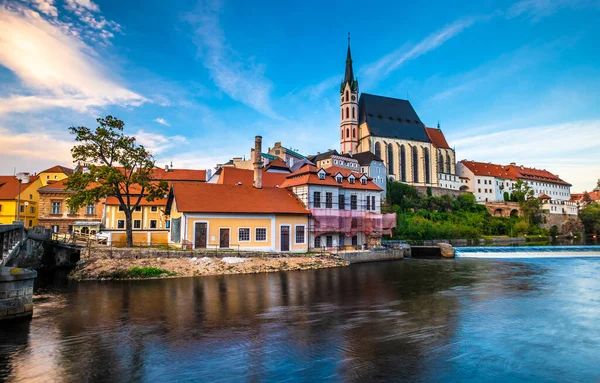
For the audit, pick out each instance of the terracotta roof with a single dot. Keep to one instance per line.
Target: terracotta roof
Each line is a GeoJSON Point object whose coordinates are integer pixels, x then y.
{"type": "Point", "coordinates": [214, 198]}
{"type": "Point", "coordinates": [544, 196]}
{"type": "Point", "coordinates": [308, 175]}
{"type": "Point", "coordinates": [9, 186]}
{"type": "Point", "coordinates": [179, 175]}
{"type": "Point", "coordinates": [54, 186]}
{"type": "Point", "coordinates": [143, 202]}
{"type": "Point", "coordinates": [594, 196]}
{"type": "Point", "coordinates": [231, 176]}
{"type": "Point", "coordinates": [512, 172]}
{"type": "Point", "coordinates": [278, 164]}
{"type": "Point", "coordinates": [437, 137]}
{"type": "Point", "coordinates": [58, 169]}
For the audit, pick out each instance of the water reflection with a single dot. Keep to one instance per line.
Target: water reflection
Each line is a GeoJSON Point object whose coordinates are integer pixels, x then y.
{"type": "Point", "coordinates": [400, 321]}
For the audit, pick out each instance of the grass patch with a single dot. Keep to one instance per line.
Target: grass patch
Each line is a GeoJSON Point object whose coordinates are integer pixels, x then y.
{"type": "Point", "coordinates": [148, 272]}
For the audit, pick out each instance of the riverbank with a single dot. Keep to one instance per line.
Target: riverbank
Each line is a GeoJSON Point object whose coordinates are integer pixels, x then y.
{"type": "Point", "coordinates": [127, 268]}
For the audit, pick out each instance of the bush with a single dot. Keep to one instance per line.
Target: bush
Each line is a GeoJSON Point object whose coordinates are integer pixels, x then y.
{"type": "Point", "coordinates": [147, 272]}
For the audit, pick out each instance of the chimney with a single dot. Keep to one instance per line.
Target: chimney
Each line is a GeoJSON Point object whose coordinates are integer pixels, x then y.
{"type": "Point", "coordinates": [258, 162]}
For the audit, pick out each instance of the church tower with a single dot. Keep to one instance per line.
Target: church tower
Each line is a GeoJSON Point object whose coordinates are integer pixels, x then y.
{"type": "Point", "coordinates": [349, 108]}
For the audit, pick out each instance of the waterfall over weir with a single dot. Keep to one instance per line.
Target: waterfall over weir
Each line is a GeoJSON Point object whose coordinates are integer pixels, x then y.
{"type": "Point", "coordinates": [528, 252]}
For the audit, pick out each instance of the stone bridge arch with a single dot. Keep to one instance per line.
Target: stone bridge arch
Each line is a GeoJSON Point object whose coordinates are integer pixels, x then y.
{"type": "Point", "coordinates": [503, 209]}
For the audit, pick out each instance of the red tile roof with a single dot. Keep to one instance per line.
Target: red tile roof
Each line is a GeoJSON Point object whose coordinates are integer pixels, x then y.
{"type": "Point", "coordinates": [133, 200]}
{"type": "Point", "coordinates": [437, 137]}
{"type": "Point", "coordinates": [594, 196]}
{"type": "Point", "coordinates": [512, 172]}
{"type": "Point", "coordinates": [231, 176]}
{"type": "Point", "coordinates": [54, 186]}
{"type": "Point", "coordinates": [9, 186]}
{"type": "Point", "coordinates": [214, 198]}
{"type": "Point", "coordinates": [308, 175]}
{"type": "Point", "coordinates": [179, 175]}
{"type": "Point", "coordinates": [58, 169]}
{"type": "Point", "coordinates": [544, 196]}
{"type": "Point", "coordinates": [277, 163]}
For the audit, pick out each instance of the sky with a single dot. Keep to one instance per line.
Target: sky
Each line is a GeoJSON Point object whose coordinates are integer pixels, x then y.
{"type": "Point", "coordinates": [195, 81]}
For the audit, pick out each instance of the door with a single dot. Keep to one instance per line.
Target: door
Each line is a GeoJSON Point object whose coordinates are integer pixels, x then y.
{"type": "Point", "coordinates": [224, 238]}
{"type": "Point", "coordinates": [200, 235]}
{"type": "Point", "coordinates": [285, 238]}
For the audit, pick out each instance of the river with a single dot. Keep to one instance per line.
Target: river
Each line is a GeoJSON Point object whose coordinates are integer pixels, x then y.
{"type": "Point", "coordinates": [467, 320]}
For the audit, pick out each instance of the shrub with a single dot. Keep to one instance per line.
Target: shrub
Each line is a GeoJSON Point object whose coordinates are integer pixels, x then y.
{"type": "Point", "coordinates": [148, 272]}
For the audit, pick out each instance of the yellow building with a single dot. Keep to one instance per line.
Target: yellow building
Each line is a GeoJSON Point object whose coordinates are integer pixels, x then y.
{"type": "Point", "coordinates": [10, 189]}
{"type": "Point", "coordinates": [54, 174]}
{"type": "Point", "coordinates": [238, 217]}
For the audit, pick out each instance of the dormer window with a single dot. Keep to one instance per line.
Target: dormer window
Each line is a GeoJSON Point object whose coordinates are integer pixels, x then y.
{"type": "Point", "coordinates": [351, 179]}
{"type": "Point", "coordinates": [363, 181]}
{"type": "Point", "coordinates": [338, 178]}
{"type": "Point", "coordinates": [321, 174]}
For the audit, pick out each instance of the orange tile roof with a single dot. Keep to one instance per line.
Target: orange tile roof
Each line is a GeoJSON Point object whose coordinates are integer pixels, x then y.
{"type": "Point", "coordinates": [9, 186]}
{"type": "Point", "coordinates": [308, 175]}
{"type": "Point", "coordinates": [58, 169]}
{"type": "Point", "coordinates": [512, 172]}
{"type": "Point", "coordinates": [594, 196]}
{"type": "Point", "coordinates": [544, 196]}
{"type": "Point", "coordinates": [437, 137]}
{"type": "Point", "coordinates": [54, 186]}
{"type": "Point", "coordinates": [133, 200]}
{"type": "Point", "coordinates": [277, 163]}
{"type": "Point", "coordinates": [231, 176]}
{"type": "Point", "coordinates": [214, 198]}
{"type": "Point", "coordinates": [179, 175]}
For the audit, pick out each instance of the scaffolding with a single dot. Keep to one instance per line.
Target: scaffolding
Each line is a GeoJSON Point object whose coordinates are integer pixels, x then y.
{"type": "Point", "coordinates": [351, 222]}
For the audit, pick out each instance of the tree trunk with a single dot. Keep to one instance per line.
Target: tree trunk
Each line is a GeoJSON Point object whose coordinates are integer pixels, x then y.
{"type": "Point", "coordinates": [129, 227]}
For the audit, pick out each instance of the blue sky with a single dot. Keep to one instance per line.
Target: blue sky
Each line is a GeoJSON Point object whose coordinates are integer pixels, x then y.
{"type": "Point", "coordinates": [196, 81]}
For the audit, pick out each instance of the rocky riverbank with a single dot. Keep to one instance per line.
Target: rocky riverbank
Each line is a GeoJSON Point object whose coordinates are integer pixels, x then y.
{"type": "Point", "coordinates": [100, 268]}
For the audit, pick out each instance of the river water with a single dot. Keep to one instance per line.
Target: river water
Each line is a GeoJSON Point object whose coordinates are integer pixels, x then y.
{"type": "Point", "coordinates": [467, 320]}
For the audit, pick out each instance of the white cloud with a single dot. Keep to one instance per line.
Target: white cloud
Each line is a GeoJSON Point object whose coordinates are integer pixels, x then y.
{"type": "Point", "coordinates": [162, 121]}
{"type": "Point", "coordinates": [568, 149]}
{"type": "Point", "coordinates": [78, 4]}
{"type": "Point", "coordinates": [241, 79]}
{"type": "Point", "coordinates": [56, 69]}
{"type": "Point", "coordinates": [45, 6]}
{"type": "Point", "coordinates": [538, 9]}
{"type": "Point", "coordinates": [158, 143]}
{"type": "Point", "coordinates": [384, 66]}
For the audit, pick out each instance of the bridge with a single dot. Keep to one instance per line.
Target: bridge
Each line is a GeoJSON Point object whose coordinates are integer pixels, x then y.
{"type": "Point", "coordinates": [503, 209]}
{"type": "Point", "coordinates": [12, 237]}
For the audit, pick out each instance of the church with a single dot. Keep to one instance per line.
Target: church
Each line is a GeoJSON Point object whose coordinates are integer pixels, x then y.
{"type": "Point", "coordinates": [391, 129]}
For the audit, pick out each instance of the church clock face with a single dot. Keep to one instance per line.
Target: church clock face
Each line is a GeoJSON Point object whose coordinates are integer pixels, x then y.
{"type": "Point", "coordinates": [353, 98]}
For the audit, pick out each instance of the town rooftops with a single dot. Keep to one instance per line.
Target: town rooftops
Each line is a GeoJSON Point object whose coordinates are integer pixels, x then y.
{"type": "Point", "coordinates": [9, 186]}
{"type": "Point", "coordinates": [322, 156]}
{"type": "Point", "coordinates": [365, 158]}
{"type": "Point", "coordinates": [58, 169]}
{"type": "Point", "coordinates": [55, 186]}
{"type": "Point", "coordinates": [233, 176]}
{"type": "Point", "coordinates": [391, 117]}
{"type": "Point", "coordinates": [133, 200]}
{"type": "Point", "coordinates": [160, 174]}
{"type": "Point", "coordinates": [194, 197]}
{"type": "Point", "coordinates": [512, 172]}
{"type": "Point", "coordinates": [277, 164]}
{"type": "Point", "coordinates": [309, 175]}
{"type": "Point", "coordinates": [437, 137]}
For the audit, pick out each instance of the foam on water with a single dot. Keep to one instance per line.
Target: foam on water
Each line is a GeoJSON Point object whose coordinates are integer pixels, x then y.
{"type": "Point", "coordinates": [528, 252]}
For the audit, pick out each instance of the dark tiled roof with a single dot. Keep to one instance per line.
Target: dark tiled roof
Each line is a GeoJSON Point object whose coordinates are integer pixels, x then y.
{"type": "Point", "coordinates": [322, 156]}
{"type": "Point", "coordinates": [365, 158]}
{"type": "Point", "coordinates": [391, 117]}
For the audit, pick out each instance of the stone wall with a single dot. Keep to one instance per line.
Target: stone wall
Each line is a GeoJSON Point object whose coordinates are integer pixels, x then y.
{"type": "Point", "coordinates": [373, 255]}
{"type": "Point", "coordinates": [567, 224]}
{"type": "Point", "coordinates": [16, 292]}
{"type": "Point", "coordinates": [438, 192]}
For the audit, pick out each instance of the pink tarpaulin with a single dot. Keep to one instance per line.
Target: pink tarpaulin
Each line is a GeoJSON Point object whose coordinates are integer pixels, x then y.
{"type": "Point", "coordinates": [351, 222]}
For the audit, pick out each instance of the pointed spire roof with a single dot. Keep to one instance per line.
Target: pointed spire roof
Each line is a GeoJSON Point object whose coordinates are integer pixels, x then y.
{"type": "Point", "coordinates": [349, 74]}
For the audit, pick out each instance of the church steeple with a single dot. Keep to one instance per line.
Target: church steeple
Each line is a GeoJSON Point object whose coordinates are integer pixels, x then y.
{"type": "Point", "coordinates": [349, 74]}
{"type": "Point", "coordinates": [349, 132]}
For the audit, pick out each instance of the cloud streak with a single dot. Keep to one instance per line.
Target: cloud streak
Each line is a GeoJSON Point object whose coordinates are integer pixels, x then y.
{"type": "Point", "coordinates": [55, 68]}
{"type": "Point", "coordinates": [241, 79]}
{"type": "Point", "coordinates": [162, 121]}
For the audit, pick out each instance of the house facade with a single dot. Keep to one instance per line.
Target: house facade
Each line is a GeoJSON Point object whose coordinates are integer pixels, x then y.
{"type": "Point", "coordinates": [19, 199]}
{"type": "Point", "coordinates": [345, 207]}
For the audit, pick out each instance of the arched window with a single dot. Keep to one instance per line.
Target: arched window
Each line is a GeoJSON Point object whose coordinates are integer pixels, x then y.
{"type": "Point", "coordinates": [440, 162]}
{"type": "Point", "coordinates": [402, 163]}
{"type": "Point", "coordinates": [347, 98]}
{"type": "Point", "coordinates": [448, 164]}
{"type": "Point", "coordinates": [347, 133]}
{"type": "Point", "coordinates": [426, 166]}
{"type": "Point", "coordinates": [390, 159]}
{"type": "Point", "coordinates": [342, 132]}
{"type": "Point", "coordinates": [354, 133]}
{"type": "Point", "coordinates": [415, 164]}
{"type": "Point", "coordinates": [342, 113]}
{"type": "Point", "coordinates": [353, 113]}
{"type": "Point", "coordinates": [347, 112]}
{"type": "Point", "coordinates": [378, 149]}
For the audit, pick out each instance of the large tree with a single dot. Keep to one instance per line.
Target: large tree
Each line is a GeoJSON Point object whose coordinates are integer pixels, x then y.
{"type": "Point", "coordinates": [590, 216]}
{"type": "Point", "coordinates": [531, 207]}
{"type": "Point", "coordinates": [113, 164]}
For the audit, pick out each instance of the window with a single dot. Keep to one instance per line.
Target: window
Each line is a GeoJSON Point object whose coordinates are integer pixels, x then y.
{"type": "Point", "coordinates": [329, 241]}
{"type": "Point", "coordinates": [353, 202]}
{"type": "Point", "coordinates": [338, 178]}
{"type": "Point", "coordinates": [120, 224]}
{"type": "Point", "coordinates": [55, 177]}
{"type": "Point", "coordinates": [342, 202]}
{"type": "Point", "coordinates": [154, 208]}
{"type": "Point", "coordinates": [121, 208]}
{"type": "Point", "coordinates": [363, 181]}
{"type": "Point", "coordinates": [260, 234]}
{"type": "Point", "coordinates": [152, 224]}
{"type": "Point", "coordinates": [317, 243]}
{"type": "Point", "coordinates": [347, 133]}
{"type": "Point", "coordinates": [368, 203]}
{"type": "Point", "coordinates": [328, 200]}
{"type": "Point", "coordinates": [355, 240]}
{"type": "Point", "coordinates": [347, 112]}
{"type": "Point", "coordinates": [90, 209]}
{"type": "Point", "coordinates": [347, 98]}
{"type": "Point", "coordinates": [22, 208]}
{"type": "Point", "coordinates": [478, 181]}
{"type": "Point", "coordinates": [167, 224]}
{"type": "Point", "coordinates": [47, 177]}
{"type": "Point", "coordinates": [353, 114]}
{"type": "Point", "coordinates": [244, 234]}
{"type": "Point", "coordinates": [372, 202]}
{"type": "Point", "coordinates": [32, 209]}
{"type": "Point", "coordinates": [317, 199]}
{"type": "Point", "coordinates": [322, 175]}
{"type": "Point", "coordinates": [0, 207]}
{"type": "Point", "coordinates": [55, 228]}
{"type": "Point", "coordinates": [138, 208]}
{"type": "Point", "coordinates": [478, 190]}
{"type": "Point", "coordinates": [351, 179]}
{"type": "Point", "coordinates": [31, 196]}
{"type": "Point", "coordinates": [55, 207]}
{"type": "Point", "coordinates": [300, 234]}
{"type": "Point", "coordinates": [137, 224]}
{"type": "Point", "coordinates": [30, 223]}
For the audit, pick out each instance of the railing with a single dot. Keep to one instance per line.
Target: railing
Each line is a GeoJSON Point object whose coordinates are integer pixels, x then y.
{"type": "Point", "coordinates": [11, 239]}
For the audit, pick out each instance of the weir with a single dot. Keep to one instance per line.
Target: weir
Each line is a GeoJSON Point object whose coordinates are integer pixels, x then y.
{"type": "Point", "coordinates": [528, 252]}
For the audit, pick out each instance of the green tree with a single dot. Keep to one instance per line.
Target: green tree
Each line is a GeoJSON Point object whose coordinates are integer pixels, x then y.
{"type": "Point", "coordinates": [554, 231]}
{"type": "Point", "coordinates": [586, 199]}
{"type": "Point", "coordinates": [590, 217]}
{"type": "Point", "coordinates": [531, 207]}
{"type": "Point", "coordinates": [116, 166]}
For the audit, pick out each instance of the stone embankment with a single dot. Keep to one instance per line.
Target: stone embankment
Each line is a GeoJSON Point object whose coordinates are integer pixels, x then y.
{"type": "Point", "coordinates": [16, 292]}
{"type": "Point", "coordinates": [97, 264]}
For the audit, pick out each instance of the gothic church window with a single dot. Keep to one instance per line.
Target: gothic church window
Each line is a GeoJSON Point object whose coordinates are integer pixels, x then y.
{"type": "Point", "coordinates": [347, 133]}
{"type": "Point", "coordinates": [426, 165]}
{"type": "Point", "coordinates": [402, 163]}
{"type": "Point", "coordinates": [378, 149]}
{"type": "Point", "coordinates": [347, 98]}
{"type": "Point", "coordinates": [353, 133]}
{"type": "Point", "coordinates": [353, 114]}
{"type": "Point", "coordinates": [347, 112]}
{"type": "Point", "coordinates": [390, 159]}
{"type": "Point", "coordinates": [415, 163]}
{"type": "Point", "coordinates": [448, 162]}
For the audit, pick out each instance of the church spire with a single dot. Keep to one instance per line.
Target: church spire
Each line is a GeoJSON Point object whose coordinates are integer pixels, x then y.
{"type": "Point", "coordinates": [349, 76]}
